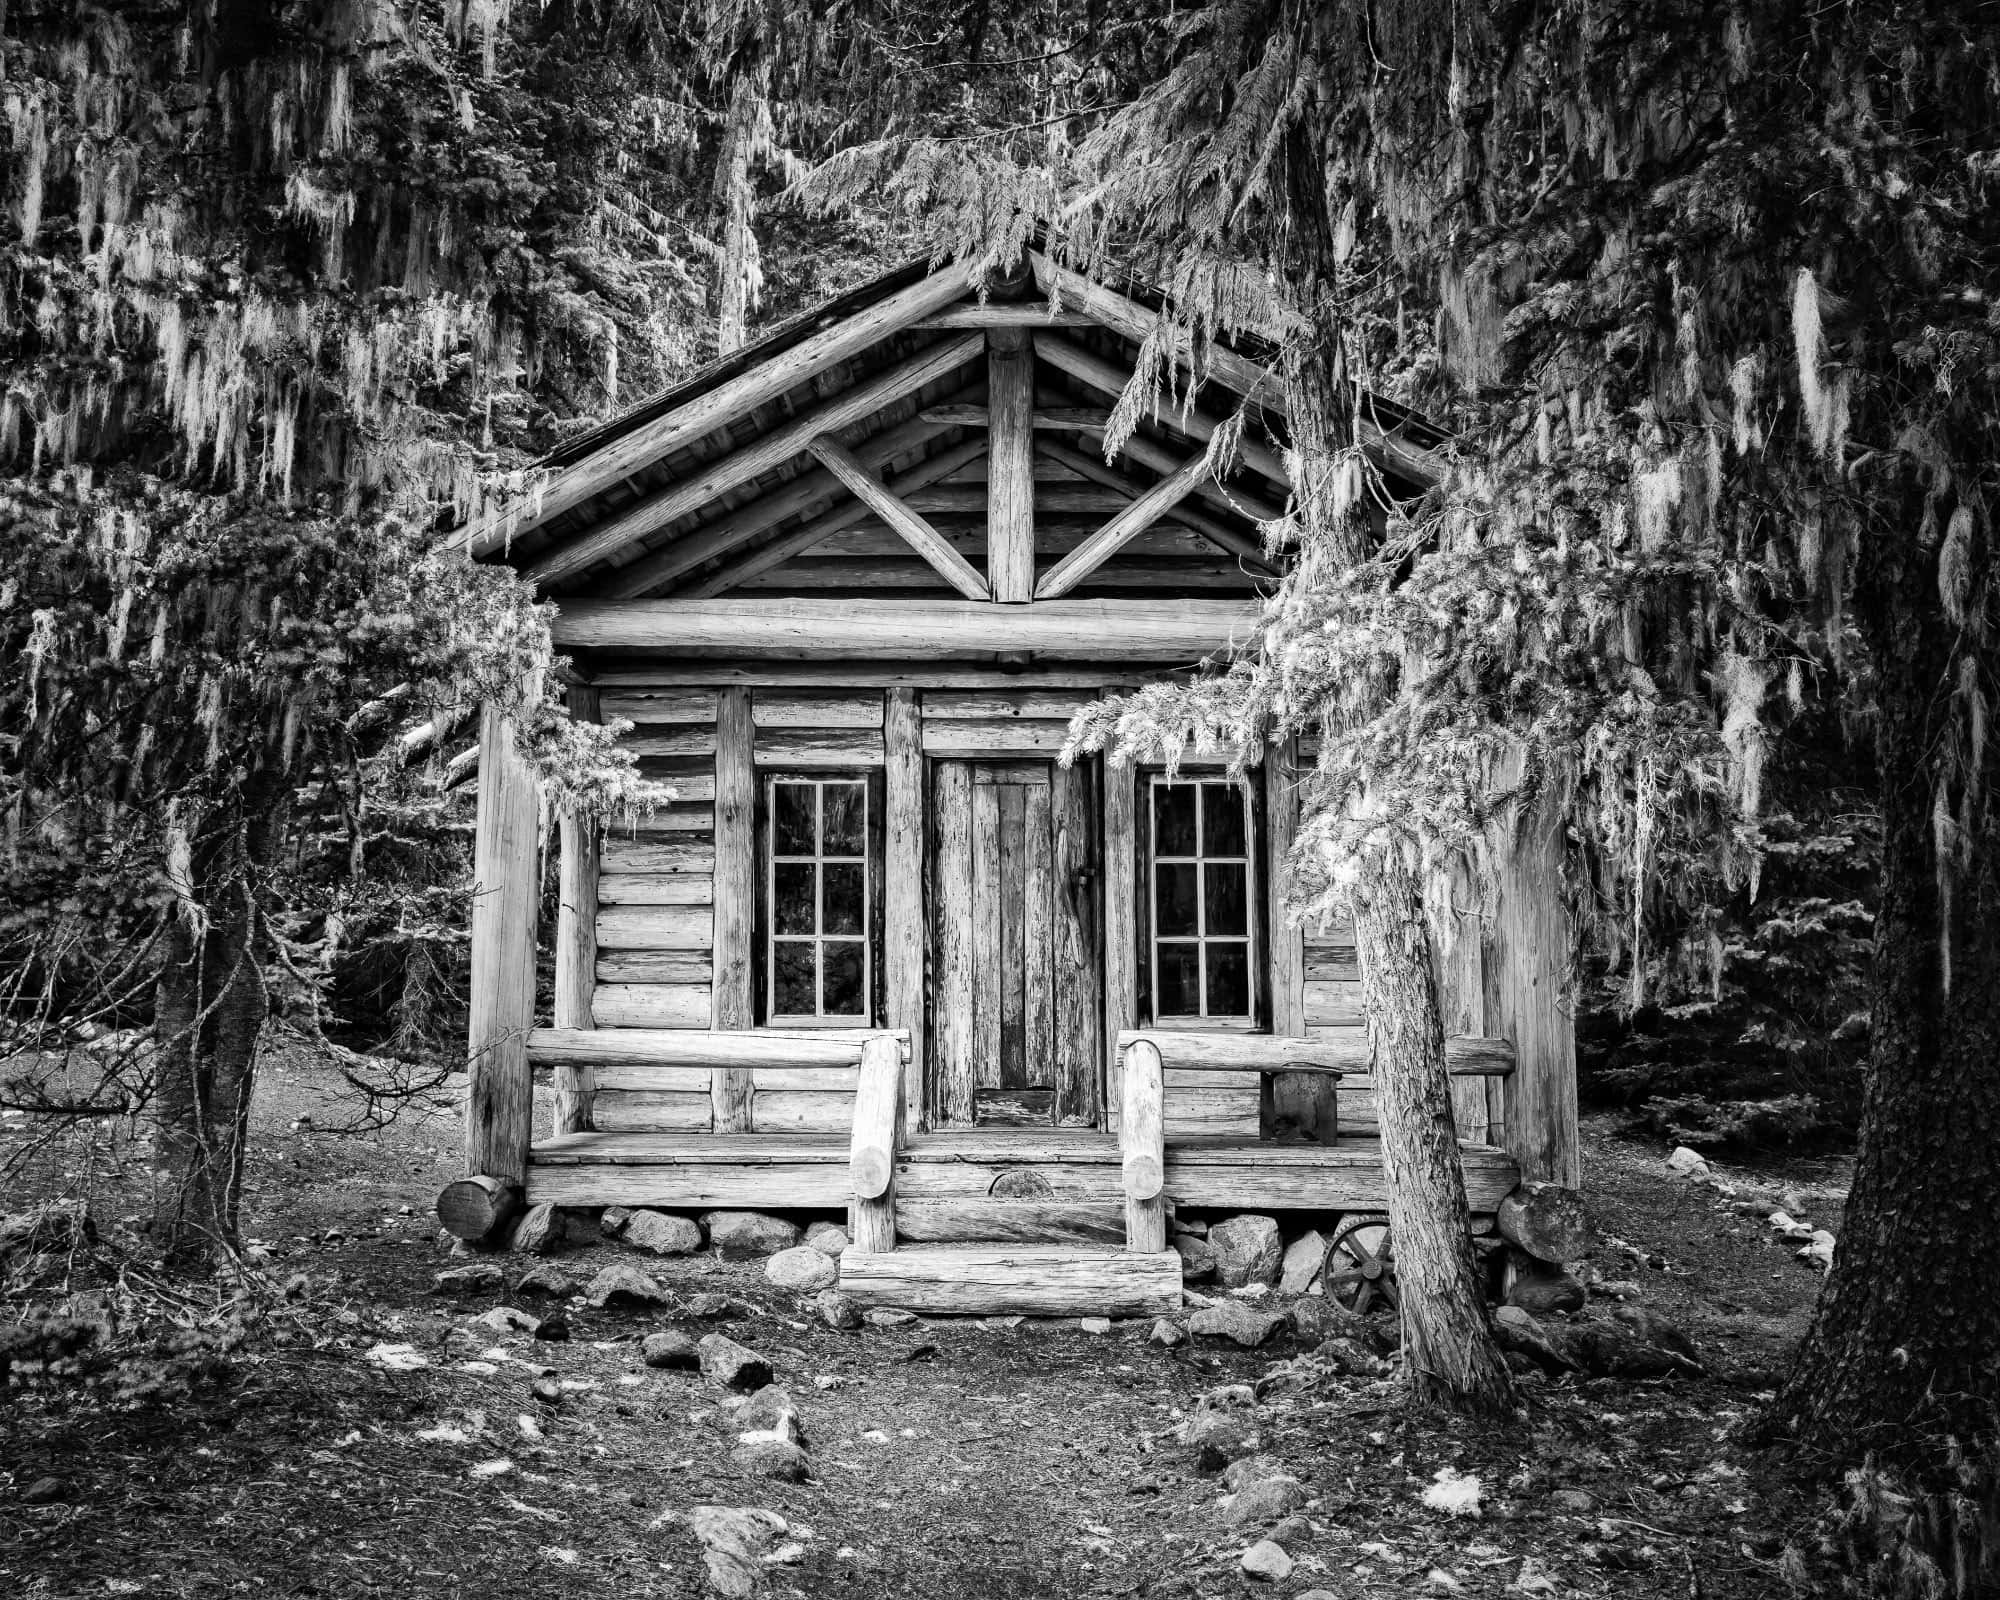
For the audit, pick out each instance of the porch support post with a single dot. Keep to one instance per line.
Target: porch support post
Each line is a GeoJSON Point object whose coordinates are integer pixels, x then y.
{"type": "Point", "coordinates": [1121, 933]}
{"type": "Point", "coordinates": [500, 1096]}
{"type": "Point", "coordinates": [732, 1003]}
{"type": "Point", "coordinates": [1010, 472]}
{"type": "Point", "coordinates": [1456, 941]}
{"type": "Point", "coordinates": [576, 943]}
{"type": "Point", "coordinates": [903, 886]}
{"type": "Point", "coordinates": [1308, 1099]}
{"type": "Point", "coordinates": [1526, 964]}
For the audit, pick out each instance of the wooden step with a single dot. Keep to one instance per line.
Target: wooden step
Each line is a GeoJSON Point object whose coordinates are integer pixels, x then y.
{"type": "Point", "coordinates": [985, 1219]}
{"type": "Point", "coordinates": [1005, 1280]}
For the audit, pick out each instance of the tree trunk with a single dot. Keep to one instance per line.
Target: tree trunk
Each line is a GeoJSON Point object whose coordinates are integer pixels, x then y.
{"type": "Point", "coordinates": [1901, 1350]}
{"type": "Point", "coordinates": [209, 1009]}
{"type": "Point", "coordinates": [1448, 1347]}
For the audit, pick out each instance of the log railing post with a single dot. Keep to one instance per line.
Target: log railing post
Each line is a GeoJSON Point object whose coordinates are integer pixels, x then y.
{"type": "Point", "coordinates": [878, 1137]}
{"type": "Point", "coordinates": [500, 1094]}
{"type": "Point", "coordinates": [903, 920]}
{"type": "Point", "coordinates": [735, 896]}
{"type": "Point", "coordinates": [576, 944]}
{"type": "Point", "coordinates": [1143, 1147]}
{"type": "Point", "coordinates": [1121, 934]}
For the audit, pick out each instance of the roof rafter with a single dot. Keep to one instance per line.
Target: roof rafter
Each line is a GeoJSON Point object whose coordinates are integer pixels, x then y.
{"type": "Point", "coordinates": [1090, 368]}
{"type": "Point", "coordinates": [757, 385]}
{"type": "Point", "coordinates": [1228, 367]}
{"type": "Point", "coordinates": [774, 449]}
{"type": "Point", "coordinates": [718, 538]}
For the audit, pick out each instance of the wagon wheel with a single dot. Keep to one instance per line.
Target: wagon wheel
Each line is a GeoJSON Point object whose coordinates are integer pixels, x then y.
{"type": "Point", "coordinates": [1361, 1265]}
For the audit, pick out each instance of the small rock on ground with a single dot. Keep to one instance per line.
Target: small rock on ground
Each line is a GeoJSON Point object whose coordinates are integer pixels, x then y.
{"type": "Point", "coordinates": [612, 1222]}
{"type": "Point", "coordinates": [506, 1319]}
{"type": "Point", "coordinates": [552, 1282]}
{"type": "Point", "coordinates": [625, 1286]}
{"type": "Point", "coordinates": [1264, 1501]}
{"type": "Point", "coordinates": [802, 1269]}
{"type": "Point", "coordinates": [887, 1317]}
{"type": "Point", "coordinates": [1095, 1324]}
{"type": "Point", "coordinates": [731, 1364]}
{"type": "Point", "coordinates": [1168, 1335]}
{"type": "Point", "coordinates": [837, 1311]}
{"type": "Point", "coordinates": [735, 1540]}
{"type": "Point", "coordinates": [713, 1307]}
{"type": "Point", "coordinates": [1267, 1560]}
{"type": "Point", "coordinates": [1686, 1163]}
{"type": "Point", "coordinates": [770, 1458]}
{"type": "Point", "coordinates": [746, 1235]}
{"type": "Point", "coordinates": [829, 1238]}
{"type": "Point", "coordinates": [1197, 1258]}
{"type": "Point", "coordinates": [671, 1348]}
{"type": "Point", "coordinates": [540, 1232]}
{"type": "Point", "coordinates": [1233, 1320]}
{"type": "Point", "coordinates": [662, 1234]}
{"type": "Point", "coordinates": [769, 1409]}
{"type": "Point", "coordinates": [1304, 1261]}
{"type": "Point", "coordinates": [44, 1492]}
{"type": "Point", "coordinates": [1248, 1249]}
{"type": "Point", "coordinates": [483, 1277]}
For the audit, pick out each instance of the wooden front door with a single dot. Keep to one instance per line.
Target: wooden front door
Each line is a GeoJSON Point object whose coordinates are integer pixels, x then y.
{"type": "Point", "coordinates": [1017, 1018]}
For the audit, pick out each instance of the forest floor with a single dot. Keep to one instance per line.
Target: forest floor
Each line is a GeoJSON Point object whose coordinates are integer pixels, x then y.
{"type": "Point", "coordinates": [949, 1457]}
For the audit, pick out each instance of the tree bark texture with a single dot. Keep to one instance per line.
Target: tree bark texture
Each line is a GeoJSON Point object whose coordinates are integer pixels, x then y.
{"type": "Point", "coordinates": [1905, 1345]}
{"type": "Point", "coordinates": [1448, 1347]}
{"type": "Point", "coordinates": [210, 1002]}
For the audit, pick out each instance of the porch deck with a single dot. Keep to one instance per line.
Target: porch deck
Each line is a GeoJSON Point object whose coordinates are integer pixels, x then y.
{"type": "Point", "coordinates": [810, 1171]}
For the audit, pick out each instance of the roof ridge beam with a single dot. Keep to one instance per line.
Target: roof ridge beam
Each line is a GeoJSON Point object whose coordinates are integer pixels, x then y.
{"type": "Point", "coordinates": [774, 449]}
{"type": "Point", "coordinates": [1248, 378]}
{"type": "Point", "coordinates": [918, 534]}
{"type": "Point", "coordinates": [727, 402]}
{"type": "Point", "coordinates": [1126, 526]}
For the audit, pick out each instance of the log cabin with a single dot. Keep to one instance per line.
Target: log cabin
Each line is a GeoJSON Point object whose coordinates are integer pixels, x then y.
{"type": "Point", "coordinates": [885, 952]}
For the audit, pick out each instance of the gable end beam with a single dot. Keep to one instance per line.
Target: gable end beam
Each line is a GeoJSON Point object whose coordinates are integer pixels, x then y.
{"type": "Point", "coordinates": [761, 455]}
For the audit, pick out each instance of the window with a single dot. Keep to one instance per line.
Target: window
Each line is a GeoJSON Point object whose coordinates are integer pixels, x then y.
{"type": "Point", "coordinates": [1202, 916]}
{"type": "Point", "coordinates": [819, 967]}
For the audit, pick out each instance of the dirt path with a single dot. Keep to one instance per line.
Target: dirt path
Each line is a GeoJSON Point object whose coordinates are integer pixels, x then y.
{"type": "Point", "coordinates": [947, 1457]}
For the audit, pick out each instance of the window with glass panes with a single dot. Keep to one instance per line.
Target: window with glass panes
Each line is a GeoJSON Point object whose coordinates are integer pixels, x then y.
{"type": "Point", "coordinates": [818, 966]}
{"type": "Point", "coordinates": [1201, 905]}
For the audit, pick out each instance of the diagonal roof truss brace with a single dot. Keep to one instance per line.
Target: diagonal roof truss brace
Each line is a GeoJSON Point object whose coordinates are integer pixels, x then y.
{"type": "Point", "coordinates": [1221, 535]}
{"type": "Point", "coordinates": [799, 541]}
{"type": "Point", "coordinates": [917, 533]}
{"type": "Point", "coordinates": [1126, 526]}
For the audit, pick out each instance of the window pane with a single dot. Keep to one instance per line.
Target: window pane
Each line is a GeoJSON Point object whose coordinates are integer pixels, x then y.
{"type": "Point", "coordinates": [1228, 980]}
{"type": "Point", "coordinates": [845, 829]}
{"type": "Point", "coordinates": [1173, 819]}
{"type": "Point", "coordinates": [845, 889]}
{"type": "Point", "coordinates": [843, 977]}
{"type": "Point", "coordinates": [792, 979]}
{"type": "Point", "coordinates": [1221, 819]}
{"type": "Point", "coordinates": [1178, 982]}
{"type": "Point", "coordinates": [1174, 892]}
{"type": "Point", "coordinates": [791, 819]}
{"type": "Point", "coordinates": [1228, 898]}
{"type": "Point", "coordinates": [792, 897]}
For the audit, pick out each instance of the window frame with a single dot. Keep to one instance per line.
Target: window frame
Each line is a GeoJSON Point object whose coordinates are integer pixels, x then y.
{"type": "Point", "coordinates": [1147, 920]}
{"type": "Point", "coordinates": [871, 897]}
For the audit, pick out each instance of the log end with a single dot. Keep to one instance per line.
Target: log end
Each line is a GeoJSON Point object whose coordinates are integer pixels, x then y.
{"type": "Point", "coordinates": [477, 1207]}
{"type": "Point", "coordinates": [1144, 1176]}
{"type": "Point", "coordinates": [871, 1170]}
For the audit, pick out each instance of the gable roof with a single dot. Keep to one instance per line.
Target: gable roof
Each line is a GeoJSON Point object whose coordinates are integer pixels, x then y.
{"type": "Point", "coordinates": [766, 454]}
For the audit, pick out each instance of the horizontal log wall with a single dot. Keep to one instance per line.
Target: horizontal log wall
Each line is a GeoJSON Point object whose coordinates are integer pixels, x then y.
{"type": "Point", "coordinates": [655, 905]}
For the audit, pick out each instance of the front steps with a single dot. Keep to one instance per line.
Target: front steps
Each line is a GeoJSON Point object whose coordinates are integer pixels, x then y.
{"type": "Point", "coordinates": [1029, 1280]}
